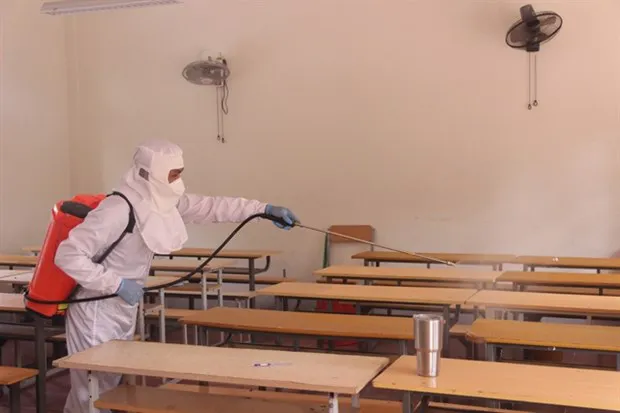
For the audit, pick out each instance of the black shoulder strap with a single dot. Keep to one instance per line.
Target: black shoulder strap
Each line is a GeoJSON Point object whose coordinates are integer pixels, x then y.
{"type": "Point", "coordinates": [132, 219]}
{"type": "Point", "coordinates": [130, 227]}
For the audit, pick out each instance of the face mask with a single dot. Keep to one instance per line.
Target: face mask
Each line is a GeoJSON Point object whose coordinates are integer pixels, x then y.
{"type": "Point", "coordinates": [165, 196]}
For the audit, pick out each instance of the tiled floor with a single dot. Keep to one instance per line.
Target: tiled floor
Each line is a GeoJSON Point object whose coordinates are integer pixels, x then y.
{"type": "Point", "coordinates": [58, 386]}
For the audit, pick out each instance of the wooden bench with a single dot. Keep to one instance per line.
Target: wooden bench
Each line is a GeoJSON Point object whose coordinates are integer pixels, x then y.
{"type": "Point", "coordinates": [12, 377]}
{"type": "Point", "coordinates": [367, 405]}
{"type": "Point", "coordinates": [538, 335]}
{"type": "Point", "coordinates": [321, 326]}
{"type": "Point", "coordinates": [303, 323]}
{"type": "Point", "coordinates": [142, 399]}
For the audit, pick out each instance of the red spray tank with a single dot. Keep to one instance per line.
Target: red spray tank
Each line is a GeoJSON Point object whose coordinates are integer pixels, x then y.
{"type": "Point", "coordinates": [50, 286]}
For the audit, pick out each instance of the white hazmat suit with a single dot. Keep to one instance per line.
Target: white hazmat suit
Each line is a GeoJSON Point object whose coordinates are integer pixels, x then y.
{"type": "Point", "coordinates": [161, 210]}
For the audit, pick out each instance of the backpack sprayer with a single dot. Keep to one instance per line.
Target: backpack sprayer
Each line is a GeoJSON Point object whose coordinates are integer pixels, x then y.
{"type": "Point", "coordinates": [50, 291]}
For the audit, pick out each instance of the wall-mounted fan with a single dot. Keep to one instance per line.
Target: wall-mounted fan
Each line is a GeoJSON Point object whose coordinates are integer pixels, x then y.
{"type": "Point", "coordinates": [212, 72]}
{"type": "Point", "coordinates": [528, 34]}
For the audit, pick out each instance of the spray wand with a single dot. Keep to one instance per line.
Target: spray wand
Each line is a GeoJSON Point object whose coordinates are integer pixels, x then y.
{"type": "Point", "coordinates": [374, 244]}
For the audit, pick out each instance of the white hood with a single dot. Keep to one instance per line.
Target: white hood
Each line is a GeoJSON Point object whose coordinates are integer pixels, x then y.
{"type": "Point", "coordinates": [154, 199]}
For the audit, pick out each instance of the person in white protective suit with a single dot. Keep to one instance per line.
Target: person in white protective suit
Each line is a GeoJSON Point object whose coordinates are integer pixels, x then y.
{"type": "Point", "coordinates": [156, 191]}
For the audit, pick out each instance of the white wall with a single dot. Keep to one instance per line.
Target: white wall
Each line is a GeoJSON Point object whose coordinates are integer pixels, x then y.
{"type": "Point", "coordinates": [408, 115]}
{"type": "Point", "coordinates": [34, 162]}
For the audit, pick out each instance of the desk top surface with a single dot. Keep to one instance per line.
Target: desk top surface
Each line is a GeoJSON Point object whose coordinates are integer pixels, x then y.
{"type": "Point", "coordinates": [568, 262]}
{"type": "Point", "coordinates": [10, 302]}
{"type": "Point", "coordinates": [564, 303]}
{"type": "Point", "coordinates": [225, 253]}
{"type": "Point", "coordinates": [11, 273]}
{"type": "Point", "coordinates": [527, 333]}
{"type": "Point", "coordinates": [285, 369]}
{"type": "Point", "coordinates": [463, 258]}
{"type": "Point", "coordinates": [561, 278]}
{"type": "Point", "coordinates": [480, 258]}
{"type": "Point", "coordinates": [370, 293]}
{"type": "Point", "coordinates": [27, 260]}
{"type": "Point", "coordinates": [18, 277]}
{"type": "Point", "coordinates": [200, 252]}
{"type": "Point", "coordinates": [294, 322]}
{"type": "Point", "coordinates": [412, 274]}
{"type": "Point", "coordinates": [563, 386]}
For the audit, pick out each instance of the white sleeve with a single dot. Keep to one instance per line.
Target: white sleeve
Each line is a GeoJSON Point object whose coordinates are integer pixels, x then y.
{"type": "Point", "coordinates": [101, 227]}
{"type": "Point", "coordinates": [198, 209]}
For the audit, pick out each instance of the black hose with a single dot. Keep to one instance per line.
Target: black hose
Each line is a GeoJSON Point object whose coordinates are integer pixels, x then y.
{"type": "Point", "coordinates": [177, 281]}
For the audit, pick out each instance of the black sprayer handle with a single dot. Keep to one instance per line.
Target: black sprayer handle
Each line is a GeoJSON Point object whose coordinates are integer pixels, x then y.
{"type": "Point", "coordinates": [279, 220]}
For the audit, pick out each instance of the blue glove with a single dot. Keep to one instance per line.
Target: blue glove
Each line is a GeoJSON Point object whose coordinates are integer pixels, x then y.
{"type": "Point", "coordinates": [282, 213]}
{"type": "Point", "coordinates": [130, 291]}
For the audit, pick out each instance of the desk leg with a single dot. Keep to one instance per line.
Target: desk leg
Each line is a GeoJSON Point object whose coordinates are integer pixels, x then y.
{"type": "Point", "coordinates": [252, 279]}
{"type": "Point", "coordinates": [403, 347]}
{"type": "Point", "coordinates": [203, 289]}
{"type": "Point", "coordinates": [407, 402]}
{"type": "Point", "coordinates": [41, 360]}
{"type": "Point", "coordinates": [162, 316]}
{"type": "Point", "coordinates": [423, 406]}
{"type": "Point", "coordinates": [491, 355]}
{"type": "Point", "coordinates": [141, 320]}
{"type": "Point", "coordinates": [220, 293]}
{"type": "Point", "coordinates": [14, 396]}
{"type": "Point", "coordinates": [93, 392]}
{"type": "Point", "coordinates": [333, 402]}
{"type": "Point", "coordinates": [446, 331]}
{"type": "Point", "coordinates": [618, 362]}
{"type": "Point", "coordinates": [490, 352]}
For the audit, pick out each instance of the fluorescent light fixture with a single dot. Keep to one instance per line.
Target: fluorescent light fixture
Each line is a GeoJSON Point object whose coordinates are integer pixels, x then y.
{"type": "Point", "coordinates": [80, 6]}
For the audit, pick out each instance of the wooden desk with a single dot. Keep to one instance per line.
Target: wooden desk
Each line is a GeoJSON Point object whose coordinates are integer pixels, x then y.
{"type": "Point", "coordinates": [556, 336]}
{"type": "Point", "coordinates": [559, 386]}
{"type": "Point", "coordinates": [194, 252]}
{"type": "Point", "coordinates": [20, 278]}
{"type": "Point", "coordinates": [157, 265]}
{"type": "Point", "coordinates": [11, 273]}
{"type": "Point", "coordinates": [12, 377]}
{"type": "Point", "coordinates": [15, 303]}
{"type": "Point", "coordinates": [154, 282]}
{"type": "Point", "coordinates": [319, 325]}
{"type": "Point", "coordinates": [377, 257]}
{"type": "Point", "coordinates": [358, 272]}
{"type": "Point", "coordinates": [250, 255]}
{"type": "Point", "coordinates": [441, 297]}
{"type": "Point", "coordinates": [521, 279]}
{"type": "Point", "coordinates": [547, 302]}
{"type": "Point", "coordinates": [23, 261]}
{"type": "Point", "coordinates": [326, 373]}
{"type": "Point", "coordinates": [370, 293]}
{"type": "Point", "coordinates": [530, 262]}
{"type": "Point", "coordinates": [12, 303]}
